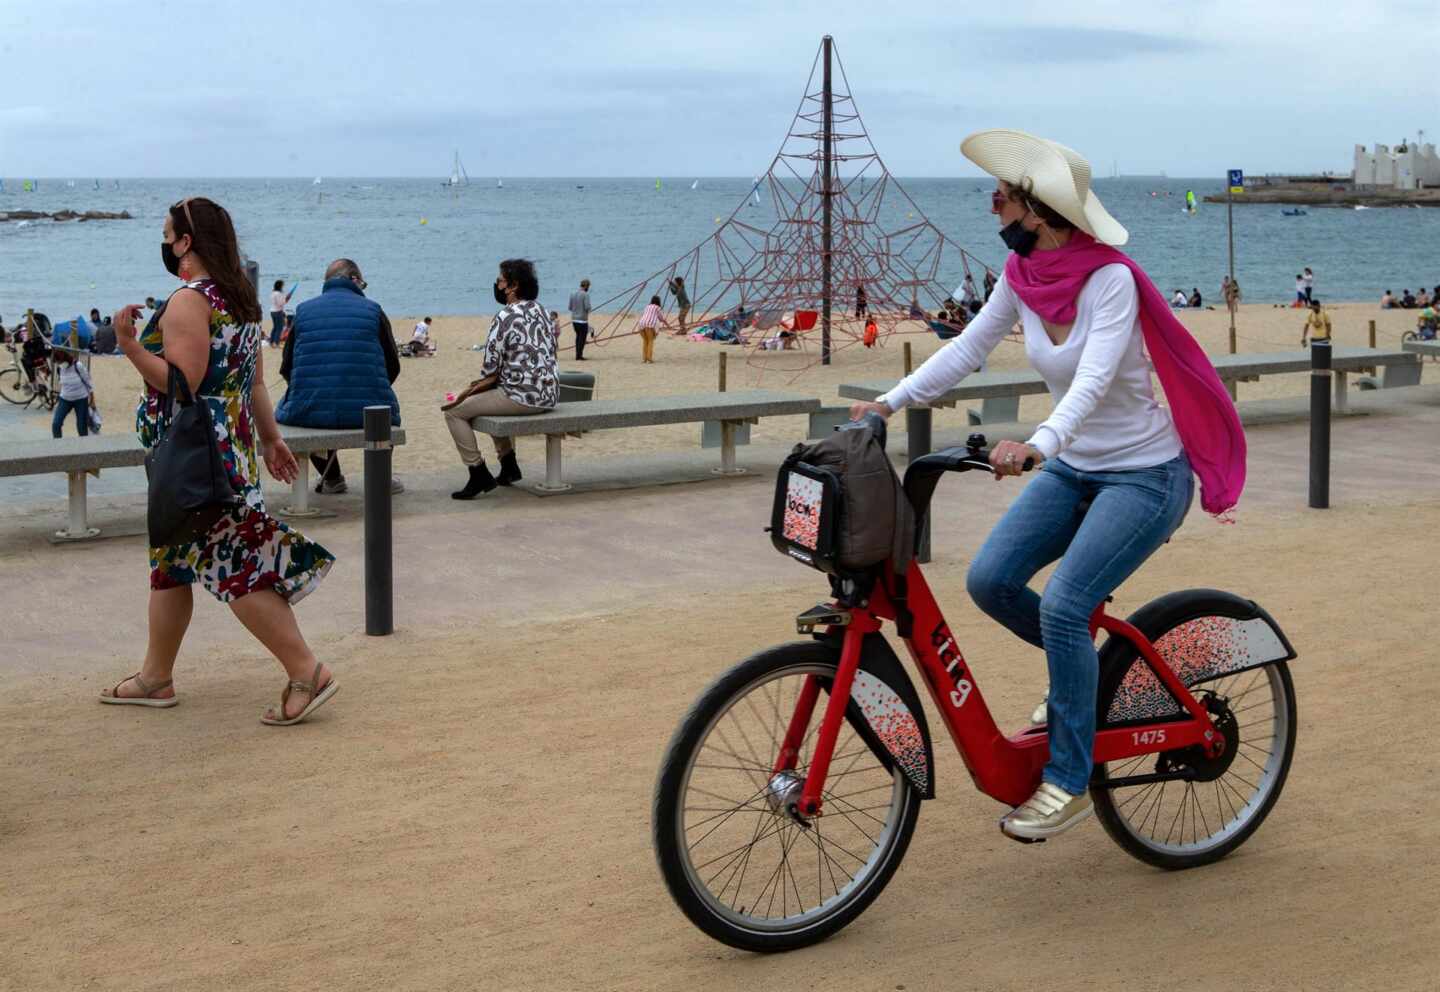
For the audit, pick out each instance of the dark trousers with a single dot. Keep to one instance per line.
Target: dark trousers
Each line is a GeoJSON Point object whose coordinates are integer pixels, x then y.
{"type": "Point", "coordinates": [277, 325]}
{"type": "Point", "coordinates": [582, 331]}
{"type": "Point", "coordinates": [327, 463]}
{"type": "Point", "coordinates": [62, 410]}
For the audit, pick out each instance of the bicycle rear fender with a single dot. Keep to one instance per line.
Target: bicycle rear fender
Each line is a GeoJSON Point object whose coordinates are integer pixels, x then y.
{"type": "Point", "coordinates": [885, 712]}
{"type": "Point", "coordinates": [1202, 634]}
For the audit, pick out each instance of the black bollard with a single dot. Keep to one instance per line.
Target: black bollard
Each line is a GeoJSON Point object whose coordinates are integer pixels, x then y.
{"type": "Point", "coordinates": [917, 433]}
{"type": "Point", "coordinates": [1320, 424]}
{"type": "Point", "coordinates": [379, 560]}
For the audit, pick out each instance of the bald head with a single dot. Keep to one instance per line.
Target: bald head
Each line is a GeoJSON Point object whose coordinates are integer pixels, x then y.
{"type": "Point", "coordinates": [343, 268]}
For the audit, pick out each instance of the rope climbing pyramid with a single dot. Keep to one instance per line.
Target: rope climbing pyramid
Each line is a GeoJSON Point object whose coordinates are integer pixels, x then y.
{"type": "Point", "coordinates": [826, 252]}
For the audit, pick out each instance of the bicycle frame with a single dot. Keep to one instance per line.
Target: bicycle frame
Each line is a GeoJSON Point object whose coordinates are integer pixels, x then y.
{"type": "Point", "coordinates": [1005, 768]}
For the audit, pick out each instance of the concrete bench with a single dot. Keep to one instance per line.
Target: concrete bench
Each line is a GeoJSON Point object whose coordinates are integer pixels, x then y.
{"type": "Point", "coordinates": [1424, 349]}
{"type": "Point", "coordinates": [78, 456]}
{"type": "Point", "coordinates": [572, 419]}
{"type": "Point", "coordinates": [1401, 368]}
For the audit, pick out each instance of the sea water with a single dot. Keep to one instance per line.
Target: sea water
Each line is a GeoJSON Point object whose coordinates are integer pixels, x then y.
{"type": "Point", "coordinates": [429, 249]}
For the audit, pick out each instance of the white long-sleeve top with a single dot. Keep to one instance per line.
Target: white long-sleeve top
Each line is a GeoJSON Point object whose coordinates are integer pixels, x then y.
{"type": "Point", "coordinates": [1105, 416]}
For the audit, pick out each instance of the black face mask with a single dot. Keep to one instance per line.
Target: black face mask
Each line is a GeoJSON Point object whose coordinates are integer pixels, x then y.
{"type": "Point", "coordinates": [500, 296]}
{"type": "Point", "coordinates": [1017, 239]}
{"type": "Point", "coordinates": [168, 256]}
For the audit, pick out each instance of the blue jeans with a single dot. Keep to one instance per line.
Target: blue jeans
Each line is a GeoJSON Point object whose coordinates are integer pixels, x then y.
{"type": "Point", "coordinates": [1130, 515]}
{"type": "Point", "coordinates": [62, 410]}
{"type": "Point", "coordinates": [277, 325]}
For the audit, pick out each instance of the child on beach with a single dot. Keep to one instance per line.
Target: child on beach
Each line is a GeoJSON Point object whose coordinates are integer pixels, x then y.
{"type": "Point", "coordinates": [77, 392]}
{"type": "Point", "coordinates": [650, 322]}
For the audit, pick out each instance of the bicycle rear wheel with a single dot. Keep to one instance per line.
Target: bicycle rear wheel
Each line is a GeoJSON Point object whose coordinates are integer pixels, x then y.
{"type": "Point", "coordinates": [14, 388]}
{"type": "Point", "coordinates": [737, 862]}
{"type": "Point", "coordinates": [1184, 823]}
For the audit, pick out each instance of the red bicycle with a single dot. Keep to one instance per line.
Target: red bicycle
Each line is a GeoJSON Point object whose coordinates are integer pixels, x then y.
{"type": "Point", "coordinates": [790, 791]}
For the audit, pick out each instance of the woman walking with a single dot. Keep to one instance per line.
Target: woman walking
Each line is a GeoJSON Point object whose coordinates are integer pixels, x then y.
{"type": "Point", "coordinates": [651, 320]}
{"type": "Point", "coordinates": [210, 331]}
{"type": "Point", "coordinates": [1117, 467]}
{"type": "Point", "coordinates": [517, 377]}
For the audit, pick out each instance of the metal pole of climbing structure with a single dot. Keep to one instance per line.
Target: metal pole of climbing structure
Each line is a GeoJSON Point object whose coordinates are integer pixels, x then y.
{"type": "Point", "coordinates": [825, 194]}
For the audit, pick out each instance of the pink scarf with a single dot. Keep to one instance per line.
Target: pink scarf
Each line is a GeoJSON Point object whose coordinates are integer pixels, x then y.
{"type": "Point", "coordinates": [1049, 282]}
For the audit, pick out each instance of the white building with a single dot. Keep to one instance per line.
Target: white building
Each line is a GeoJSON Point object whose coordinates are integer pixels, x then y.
{"type": "Point", "coordinates": [1408, 167]}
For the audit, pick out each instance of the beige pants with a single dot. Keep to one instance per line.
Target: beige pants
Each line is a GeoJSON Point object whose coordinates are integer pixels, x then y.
{"type": "Point", "coordinates": [647, 343]}
{"type": "Point", "coordinates": [493, 403]}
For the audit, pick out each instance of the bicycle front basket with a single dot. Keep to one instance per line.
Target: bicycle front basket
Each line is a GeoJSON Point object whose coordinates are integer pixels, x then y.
{"type": "Point", "coordinates": [804, 522]}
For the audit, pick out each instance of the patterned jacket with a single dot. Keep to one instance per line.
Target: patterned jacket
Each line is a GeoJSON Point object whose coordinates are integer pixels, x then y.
{"type": "Point", "coordinates": [521, 347]}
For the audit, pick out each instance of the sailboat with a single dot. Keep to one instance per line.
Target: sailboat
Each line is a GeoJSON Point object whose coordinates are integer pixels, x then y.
{"type": "Point", "coordinates": [316, 182]}
{"type": "Point", "coordinates": [695, 184]}
{"type": "Point", "coordinates": [458, 176]}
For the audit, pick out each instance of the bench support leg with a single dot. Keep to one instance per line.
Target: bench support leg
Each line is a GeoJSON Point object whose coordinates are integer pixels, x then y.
{"type": "Point", "coordinates": [79, 529]}
{"type": "Point", "coordinates": [727, 449]}
{"type": "Point", "coordinates": [299, 505]}
{"type": "Point", "coordinates": [554, 477]}
{"type": "Point", "coordinates": [1234, 389]}
{"type": "Point", "coordinates": [1340, 394]}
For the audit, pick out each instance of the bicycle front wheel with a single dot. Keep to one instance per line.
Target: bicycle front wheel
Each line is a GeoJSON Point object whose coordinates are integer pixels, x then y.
{"type": "Point", "coordinates": [14, 388]}
{"type": "Point", "coordinates": [737, 862]}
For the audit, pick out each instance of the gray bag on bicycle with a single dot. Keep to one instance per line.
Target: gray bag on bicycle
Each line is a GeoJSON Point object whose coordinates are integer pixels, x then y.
{"type": "Point", "coordinates": [839, 506]}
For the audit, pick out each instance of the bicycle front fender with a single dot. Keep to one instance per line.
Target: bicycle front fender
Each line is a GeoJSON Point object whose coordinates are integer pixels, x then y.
{"type": "Point", "coordinates": [885, 712]}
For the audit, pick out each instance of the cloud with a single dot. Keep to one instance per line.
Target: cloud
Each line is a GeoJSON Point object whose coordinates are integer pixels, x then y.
{"type": "Point", "coordinates": [1059, 44]}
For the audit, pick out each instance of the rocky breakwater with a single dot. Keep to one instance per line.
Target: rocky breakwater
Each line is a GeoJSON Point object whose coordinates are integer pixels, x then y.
{"type": "Point", "coordinates": [64, 215]}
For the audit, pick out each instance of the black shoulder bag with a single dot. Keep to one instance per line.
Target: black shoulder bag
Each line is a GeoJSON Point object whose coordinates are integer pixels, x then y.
{"type": "Point", "coordinates": [189, 490]}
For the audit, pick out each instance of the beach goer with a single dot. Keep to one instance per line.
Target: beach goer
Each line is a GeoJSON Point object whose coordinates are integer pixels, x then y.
{"type": "Point", "coordinates": [682, 304]}
{"type": "Point", "coordinates": [1423, 299]}
{"type": "Point", "coordinates": [339, 358]}
{"type": "Point", "coordinates": [210, 332]}
{"type": "Point", "coordinates": [862, 305]}
{"type": "Point", "coordinates": [520, 354]}
{"type": "Point", "coordinates": [1387, 300]}
{"type": "Point", "coordinates": [1317, 324]}
{"type": "Point", "coordinates": [989, 284]}
{"type": "Point", "coordinates": [872, 332]}
{"type": "Point", "coordinates": [580, 317]}
{"type": "Point", "coordinates": [103, 343]}
{"type": "Point", "coordinates": [77, 392]}
{"type": "Point", "coordinates": [649, 324]}
{"type": "Point", "coordinates": [1090, 317]}
{"type": "Point", "coordinates": [1300, 300]}
{"type": "Point", "coordinates": [969, 298]}
{"type": "Point", "coordinates": [1230, 290]}
{"type": "Point", "coordinates": [1407, 300]}
{"type": "Point", "coordinates": [1195, 300]}
{"type": "Point", "coordinates": [1179, 300]}
{"type": "Point", "coordinates": [1308, 279]}
{"type": "Point", "coordinates": [419, 343]}
{"type": "Point", "coordinates": [279, 300]}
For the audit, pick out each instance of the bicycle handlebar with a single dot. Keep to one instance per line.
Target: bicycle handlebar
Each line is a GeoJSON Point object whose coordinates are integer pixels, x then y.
{"type": "Point", "coordinates": [923, 474]}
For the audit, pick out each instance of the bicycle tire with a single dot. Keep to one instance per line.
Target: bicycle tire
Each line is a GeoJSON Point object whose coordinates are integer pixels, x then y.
{"type": "Point", "coordinates": [1271, 679]}
{"type": "Point", "coordinates": [14, 389]}
{"type": "Point", "coordinates": [674, 857]}
{"type": "Point", "coordinates": [1409, 336]}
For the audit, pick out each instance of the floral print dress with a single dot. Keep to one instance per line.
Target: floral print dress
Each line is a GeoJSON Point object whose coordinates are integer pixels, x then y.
{"type": "Point", "coordinates": [247, 550]}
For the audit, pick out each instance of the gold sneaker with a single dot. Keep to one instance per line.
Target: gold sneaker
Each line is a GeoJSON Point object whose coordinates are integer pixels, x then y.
{"type": "Point", "coordinates": [1050, 811]}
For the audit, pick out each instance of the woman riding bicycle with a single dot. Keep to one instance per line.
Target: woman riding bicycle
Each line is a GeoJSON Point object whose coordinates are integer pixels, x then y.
{"type": "Point", "coordinates": [1107, 447]}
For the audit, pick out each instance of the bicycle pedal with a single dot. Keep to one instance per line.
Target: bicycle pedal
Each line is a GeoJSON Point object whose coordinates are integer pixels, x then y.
{"type": "Point", "coordinates": [821, 615]}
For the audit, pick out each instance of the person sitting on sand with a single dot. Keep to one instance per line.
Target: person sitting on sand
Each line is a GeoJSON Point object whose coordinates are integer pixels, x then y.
{"type": "Point", "coordinates": [1317, 324]}
{"type": "Point", "coordinates": [517, 377]}
{"type": "Point", "coordinates": [1387, 300]}
{"type": "Point", "coordinates": [1423, 300]}
{"type": "Point", "coordinates": [1179, 300]}
{"type": "Point", "coordinates": [1407, 301]}
{"type": "Point", "coordinates": [1195, 301]}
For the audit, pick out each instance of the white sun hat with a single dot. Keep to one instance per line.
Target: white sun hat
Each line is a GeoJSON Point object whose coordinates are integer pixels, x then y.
{"type": "Point", "coordinates": [1057, 176]}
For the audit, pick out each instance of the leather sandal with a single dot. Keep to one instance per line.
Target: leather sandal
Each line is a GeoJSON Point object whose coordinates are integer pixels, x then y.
{"type": "Point", "coordinates": [318, 697]}
{"type": "Point", "coordinates": [148, 699]}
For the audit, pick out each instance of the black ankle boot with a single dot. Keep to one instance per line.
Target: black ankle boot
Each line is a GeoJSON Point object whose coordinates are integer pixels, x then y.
{"type": "Point", "coordinates": [509, 471]}
{"type": "Point", "coordinates": [481, 481]}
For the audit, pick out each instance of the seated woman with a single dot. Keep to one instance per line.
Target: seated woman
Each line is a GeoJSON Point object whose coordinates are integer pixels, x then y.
{"type": "Point", "coordinates": [520, 356]}
{"type": "Point", "coordinates": [1195, 301]}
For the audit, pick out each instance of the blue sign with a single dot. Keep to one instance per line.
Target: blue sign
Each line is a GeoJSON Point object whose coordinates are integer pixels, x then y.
{"type": "Point", "coordinates": [1237, 180]}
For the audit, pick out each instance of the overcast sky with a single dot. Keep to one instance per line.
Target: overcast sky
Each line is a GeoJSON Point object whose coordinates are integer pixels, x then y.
{"type": "Point", "coordinates": [615, 87]}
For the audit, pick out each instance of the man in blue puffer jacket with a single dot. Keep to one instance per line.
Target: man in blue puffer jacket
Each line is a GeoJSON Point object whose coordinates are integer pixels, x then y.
{"type": "Point", "coordinates": [340, 358]}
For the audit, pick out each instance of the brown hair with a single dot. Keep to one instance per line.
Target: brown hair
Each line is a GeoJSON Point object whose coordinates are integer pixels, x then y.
{"type": "Point", "coordinates": [212, 238]}
{"type": "Point", "coordinates": [1040, 209]}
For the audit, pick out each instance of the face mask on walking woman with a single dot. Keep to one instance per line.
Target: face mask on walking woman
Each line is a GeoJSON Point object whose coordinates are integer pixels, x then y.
{"type": "Point", "coordinates": [500, 294]}
{"type": "Point", "coordinates": [1017, 239]}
